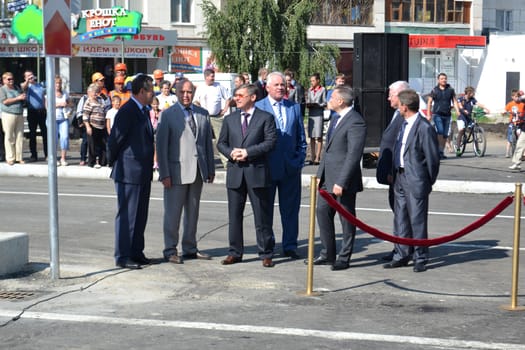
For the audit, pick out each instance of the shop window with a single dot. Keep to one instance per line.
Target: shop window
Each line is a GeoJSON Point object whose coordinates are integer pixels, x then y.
{"type": "Point", "coordinates": [353, 12]}
{"type": "Point", "coordinates": [181, 11]}
{"type": "Point", "coordinates": [430, 11]}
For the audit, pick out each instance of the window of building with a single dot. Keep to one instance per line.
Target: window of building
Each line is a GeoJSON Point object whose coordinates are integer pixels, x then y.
{"type": "Point", "coordinates": [336, 12]}
{"type": "Point", "coordinates": [181, 11]}
{"type": "Point", "coordinates": [504, 20]}
{"type": "Point", "coordinates": [429, 11]}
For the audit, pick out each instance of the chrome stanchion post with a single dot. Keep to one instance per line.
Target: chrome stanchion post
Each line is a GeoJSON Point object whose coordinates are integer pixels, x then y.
{"type": "Point", "coordinates": [311, 241]}
{"type": "Point", "coordinates": [516, 252]}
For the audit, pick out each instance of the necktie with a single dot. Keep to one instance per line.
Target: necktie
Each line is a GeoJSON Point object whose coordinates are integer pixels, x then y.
{"type": "Point", "coordinates": [191, 122]}
{"type": "Point", "coordinates": [145, 111]}
{"type": "Point", "coordinates": [399, 143]}
{"type": "Point", "coordinates": [279, 115]}
{"type": "Point", "coordinates": [333, 122]}
{"type": "Point", "coordinates": [245, 123]}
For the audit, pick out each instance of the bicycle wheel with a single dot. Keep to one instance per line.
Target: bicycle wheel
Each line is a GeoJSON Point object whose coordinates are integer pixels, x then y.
{"type": "Point", "coordinates": [461, 149]}
{"type": "Point", "coordinates": [480, 142]}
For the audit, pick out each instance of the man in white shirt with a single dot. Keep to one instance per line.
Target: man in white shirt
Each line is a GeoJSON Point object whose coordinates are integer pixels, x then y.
{"type": "Point", "coordinates": [215, 99]}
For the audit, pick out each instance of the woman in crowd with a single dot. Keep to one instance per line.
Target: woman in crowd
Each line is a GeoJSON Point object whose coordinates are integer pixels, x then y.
{"type": "Point", "coordinates": [11, 103]}
{"type": "Point", "coordinates": [61, 104]}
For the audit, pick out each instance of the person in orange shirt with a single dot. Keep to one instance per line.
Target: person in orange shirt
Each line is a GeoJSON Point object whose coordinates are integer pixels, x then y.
{"type": "Point", "coordinates": [516, 110]}
{"type": "Point", "coordinates": [158, 76]}
{"type": "Point", "coordinates": [100, 80]}
{"type": "Point", "coordinates": [119, 90]}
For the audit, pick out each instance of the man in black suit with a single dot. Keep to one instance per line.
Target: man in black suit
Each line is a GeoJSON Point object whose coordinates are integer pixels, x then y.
{"type": "Point", "coordinates": [246, 139]}
{"type": "Point", "coordinates": [416, 164]}
{"type": "Point", "coordinates": [131, 148]}
{"type": "Point", "coordinates": [384, 172]}
{"type": "Point", "coordinates": [339, 174]}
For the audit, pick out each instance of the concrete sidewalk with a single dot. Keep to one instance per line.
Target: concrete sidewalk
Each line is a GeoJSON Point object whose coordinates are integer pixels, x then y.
{"type": "Point", "coordinates": [466, 174]}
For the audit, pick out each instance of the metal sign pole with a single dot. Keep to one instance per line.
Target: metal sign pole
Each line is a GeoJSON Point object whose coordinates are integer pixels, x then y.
{"type": "Point", "coordinates": [52, 167]}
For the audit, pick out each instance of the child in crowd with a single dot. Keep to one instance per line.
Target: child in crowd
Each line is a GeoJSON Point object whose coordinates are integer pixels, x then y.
{"type": "Point", "coordinates": [516, 110]}
{"type": "Point", "coordinates": [154, 115]}
{"type": "Point", "coordinates": [110, 115]}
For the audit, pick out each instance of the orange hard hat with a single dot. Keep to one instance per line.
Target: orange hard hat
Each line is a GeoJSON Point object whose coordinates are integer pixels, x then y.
{"type": "Point", "coordinates": [158, 74]}
{"type": "Point", "coordinates": [121, 66]}
{"type": "Point", "coordinates": [96, 76]}
{"type": "Point", "coordinates": [119, 80]}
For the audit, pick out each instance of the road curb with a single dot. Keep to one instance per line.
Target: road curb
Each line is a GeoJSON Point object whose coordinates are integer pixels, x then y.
{"type": "Point", "coordinates": [84, 172]}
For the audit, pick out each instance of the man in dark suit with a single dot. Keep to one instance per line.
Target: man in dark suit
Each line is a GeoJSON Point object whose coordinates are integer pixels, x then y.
{"type": "Point", "coordinates": [246, 139]}
{"type": "Point", "coordinates": [261, 84]}
{"type": "Point", "coordinates": [384, 171]}
{"type": "Point", "coordinates": [185, 157]}
{"type": "Point", "coordinates": [416, 164]}
{"type": "Point", "coordinates": [340, 175]}
{"type": "Point", "coordinates": [286, 159]}
{"type": "Point", "coordinates": [131, 148]}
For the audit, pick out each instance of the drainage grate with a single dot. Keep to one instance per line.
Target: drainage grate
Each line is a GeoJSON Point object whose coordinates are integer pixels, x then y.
{"type": "Point", "coordinates": [15, 295]}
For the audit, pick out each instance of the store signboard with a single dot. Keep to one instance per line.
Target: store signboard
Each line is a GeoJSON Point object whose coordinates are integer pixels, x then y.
{"type": "Point", "coordinates": [21, 50]}
{"type": "Point", "coordinates": [186, 59]}
{"type": "Point", "coordinates": [109, 23]}
{"type": "Point", "coordinates": [429, 41]}
{"type": "Point", "coordinates": [94, 50]}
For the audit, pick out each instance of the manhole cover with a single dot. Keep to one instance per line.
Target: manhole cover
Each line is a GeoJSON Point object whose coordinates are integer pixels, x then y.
{"type": "Point", "coordinates": [15, 295]}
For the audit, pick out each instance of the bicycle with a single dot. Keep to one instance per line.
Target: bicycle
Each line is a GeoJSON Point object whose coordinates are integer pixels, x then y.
{"type": "Point", "coordinates": [474, 134]}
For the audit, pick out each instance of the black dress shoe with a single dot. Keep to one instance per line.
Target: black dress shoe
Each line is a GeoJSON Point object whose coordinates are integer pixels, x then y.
{"type": "Point", "coordinates": [129, 264]}
{"type": "Point", "coordinates": [292, 254]}
{"type": "Point", "coordinates": [319, 261]}
{"type": "Point", "coordinates": [389, 256]}
{"type": "Point", "coordinates": [395, 263]}
{"type": "Point", "coordinates": [340, 265]}
{"type": "Point", "coordinates": [197, 255]}
{"type": "Point", "coordinates": [420, 267]}
{"type": "Point", "coordinates": [142, 260]}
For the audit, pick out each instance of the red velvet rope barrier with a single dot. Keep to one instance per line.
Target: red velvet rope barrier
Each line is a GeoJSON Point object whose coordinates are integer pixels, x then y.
{"type": "Point", "coordinates": [416, 242]}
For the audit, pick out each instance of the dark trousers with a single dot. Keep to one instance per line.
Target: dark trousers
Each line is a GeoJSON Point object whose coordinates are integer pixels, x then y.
{"type": "Point", "coordinates": [325, 218]}
{"type": "Point", "coordinates": [261, 206]}
{"type": "Point", "coordinates": [97, 147]}
{"type": "Point", "coordinates": [36, 118]}
{"type": "Point", "coordinates": [131, 219]}
{"type": "Point", "coordinates": [83, 145]}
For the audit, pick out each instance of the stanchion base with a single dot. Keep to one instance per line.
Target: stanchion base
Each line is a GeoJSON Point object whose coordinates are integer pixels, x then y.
{"type": "Point", "coordinates": [306, 294]}
{"type": "Point", "coordinates": [510, 308]}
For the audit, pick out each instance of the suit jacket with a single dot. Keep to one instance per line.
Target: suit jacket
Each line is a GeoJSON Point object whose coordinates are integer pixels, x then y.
{"type": "Point", "coordinates": [287, 158]}
{"type": "Point", "coordinates": [259, 140]}
{"type": "Point", "coordinates": [179, 152]}
{"type": "Point", "coordinates": [421, 158]}
{"type": "Point", "coordinates": [131, 146]}
{"type": "Point", "coordinates": [341, 159]}
{"type": "Point", "coordinates": [385, 163]}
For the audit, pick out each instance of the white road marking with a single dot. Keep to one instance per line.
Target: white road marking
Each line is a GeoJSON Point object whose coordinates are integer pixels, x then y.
{"type": "Point", "coordinates": [298, 332]}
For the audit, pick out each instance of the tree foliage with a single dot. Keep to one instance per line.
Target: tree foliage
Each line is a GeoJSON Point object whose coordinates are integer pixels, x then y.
{"type": "Point", "coordinates": [248, 35]}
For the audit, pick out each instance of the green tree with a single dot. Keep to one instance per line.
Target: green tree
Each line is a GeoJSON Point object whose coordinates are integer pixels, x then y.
{"type": "Point", "coordinates": [247, 35]}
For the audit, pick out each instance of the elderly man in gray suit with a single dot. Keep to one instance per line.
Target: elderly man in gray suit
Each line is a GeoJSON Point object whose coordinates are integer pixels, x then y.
{"type": "Point", "coordinates": [340, 175]}
{"type": "Point", "coordinates": [416, 167]}
{"type": "Point", "coordinates": [185, 157]}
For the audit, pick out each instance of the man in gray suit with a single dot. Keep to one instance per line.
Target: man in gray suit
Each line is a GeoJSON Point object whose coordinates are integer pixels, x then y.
{"type": "Point", "coordinates": [247, 137]}
{"type": "Point", "coordinates": [185, 157]}
{"type": "Point", "coordinates": [416, 166]}
{"type": "Point", "coordinates": [340, 175]}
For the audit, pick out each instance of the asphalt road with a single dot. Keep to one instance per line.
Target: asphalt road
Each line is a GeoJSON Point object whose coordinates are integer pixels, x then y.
{"type": "Point", "coordinates": [456, 304]}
